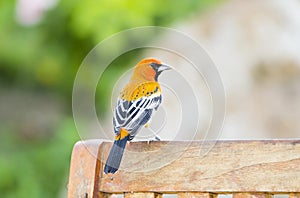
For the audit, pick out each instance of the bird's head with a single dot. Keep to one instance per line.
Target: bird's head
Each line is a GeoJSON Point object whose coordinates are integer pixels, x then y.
{"type": "Point", "coordinates": [150, 68]}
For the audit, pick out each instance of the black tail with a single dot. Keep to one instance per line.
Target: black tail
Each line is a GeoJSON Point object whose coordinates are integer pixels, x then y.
{"type": "Point", "coordinates": [115, 156]}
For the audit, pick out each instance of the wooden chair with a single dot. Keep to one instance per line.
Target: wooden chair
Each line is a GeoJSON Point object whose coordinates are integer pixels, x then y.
{"type": "Point", "coordinates": [241, 168]}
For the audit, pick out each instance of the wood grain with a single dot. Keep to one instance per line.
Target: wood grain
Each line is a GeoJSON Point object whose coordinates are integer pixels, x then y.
{"type": "Point", "coordinates": [294, 195]}
{"type": "Point", "coordinates": [252, 195]}
{"type": "Point", "coordinates": [196, 195]}
{"type": "Point", "coordinates": [104, 195]}
{"type": "Point", "coordinates": [84, 170]}
{"type": "Point", "coordinates": [229, 166]}
{"type": "Point", "coordinates": [143, 195]}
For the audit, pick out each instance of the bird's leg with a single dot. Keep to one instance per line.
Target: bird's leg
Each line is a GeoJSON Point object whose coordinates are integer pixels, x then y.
{"type": "Point", "coordinates": [155, 138]}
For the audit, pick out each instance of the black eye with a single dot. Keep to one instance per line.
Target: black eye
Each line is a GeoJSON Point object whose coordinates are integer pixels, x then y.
{"type": "Point", "coordinates": [154, 65]}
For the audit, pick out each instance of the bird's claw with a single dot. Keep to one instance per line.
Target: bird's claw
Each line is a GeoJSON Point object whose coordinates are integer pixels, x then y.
{"type": "Point", "coordinates": [156, 138]}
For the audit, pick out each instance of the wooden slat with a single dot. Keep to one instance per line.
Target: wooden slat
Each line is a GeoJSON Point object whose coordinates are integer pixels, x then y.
{"type": "Point", "coordinates": [84, 170]}
{"type": "Point", "coordinates": [252, 195]}
{"type": "Point", "coordinates": [143, 195]}
{"type": "Point", "coordinates": [294, 195]}
{"type": "Point", "coordinates": [230, 166]}
{"type": "Point", "coordinates": [196, 195]}
{"type": "Point", "coordinates": [105, 195]}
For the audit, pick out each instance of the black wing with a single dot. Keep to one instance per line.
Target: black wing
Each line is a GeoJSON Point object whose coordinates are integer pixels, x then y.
{"type": "Point", "coordinates": [132, 115]}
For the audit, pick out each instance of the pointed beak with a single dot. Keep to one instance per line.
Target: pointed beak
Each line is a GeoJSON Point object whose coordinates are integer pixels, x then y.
{"type": "Point", "coordinates": [163, 67]}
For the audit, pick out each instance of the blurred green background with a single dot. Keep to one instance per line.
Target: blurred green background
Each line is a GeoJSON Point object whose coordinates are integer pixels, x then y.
{"type": "Point", "coordinates": [42, 44]}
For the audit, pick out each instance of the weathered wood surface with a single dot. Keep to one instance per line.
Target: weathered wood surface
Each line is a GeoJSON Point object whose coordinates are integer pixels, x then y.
{"type": "Point", "coordinates": [294, 195]}
{"type": "Point", "coordinates": [260, 168]}
{"type": "Point", "coordinates": [84, 170]}
{"type": "Point", "coordinates": [196, 195]}
{"type": "Point", "coordinates": [252, 195]}
{"type": "Point", "coordinates": [230, 166]}
{"type": "Point", "coordinates": [142, 195]}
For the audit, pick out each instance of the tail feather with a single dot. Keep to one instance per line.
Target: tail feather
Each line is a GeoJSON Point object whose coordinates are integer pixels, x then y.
{"type": "Point", "coordinates": [115, 156]}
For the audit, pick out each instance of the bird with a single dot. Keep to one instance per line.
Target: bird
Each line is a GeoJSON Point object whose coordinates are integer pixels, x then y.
{"type": "Point", "coordinates": [139, 98]}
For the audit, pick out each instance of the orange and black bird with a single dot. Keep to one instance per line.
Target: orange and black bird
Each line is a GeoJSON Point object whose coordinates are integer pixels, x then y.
{"type": "Point", "coordinates": [135, 105]}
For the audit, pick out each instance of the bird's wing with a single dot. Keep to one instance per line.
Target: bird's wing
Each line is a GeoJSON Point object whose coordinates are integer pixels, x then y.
{"type": "Point", "coordinates": [131, 115]}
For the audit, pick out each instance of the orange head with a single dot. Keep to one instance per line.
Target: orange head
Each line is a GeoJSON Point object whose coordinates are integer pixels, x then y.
{"type": "Point", "coordinates": [149, 69]}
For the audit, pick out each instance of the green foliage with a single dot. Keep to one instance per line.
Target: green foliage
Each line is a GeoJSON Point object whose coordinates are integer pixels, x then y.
{"type": "Point", "coordinates": [35, 168]}
{"type": "Point", "coordinates": [44, 58]}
